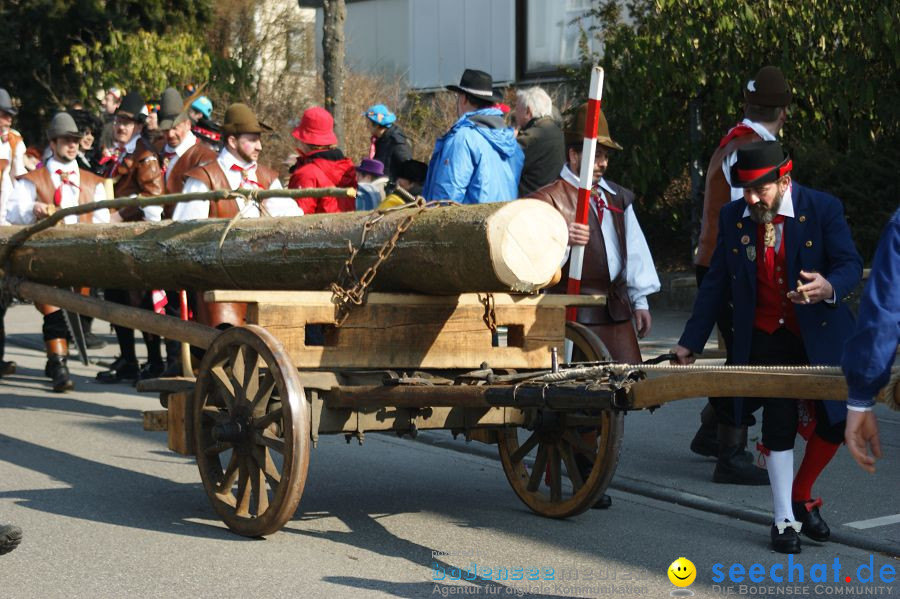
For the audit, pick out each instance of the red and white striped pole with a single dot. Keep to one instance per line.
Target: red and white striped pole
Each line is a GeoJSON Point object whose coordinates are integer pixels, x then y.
{"type": "Point", "coordinates": [586, 179]}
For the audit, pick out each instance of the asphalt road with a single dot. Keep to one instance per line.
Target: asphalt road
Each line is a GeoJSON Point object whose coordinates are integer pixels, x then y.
{"type": "Point", "coordinates": [108, 511]}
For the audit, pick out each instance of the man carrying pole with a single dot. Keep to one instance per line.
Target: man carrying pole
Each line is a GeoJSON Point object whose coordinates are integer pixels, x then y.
{"type": "Point", "coordinates": [608, 251]}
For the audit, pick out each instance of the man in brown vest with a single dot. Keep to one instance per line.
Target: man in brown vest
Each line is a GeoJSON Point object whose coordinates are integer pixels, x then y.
{"type": "Point", "coordinates": [617, 260]}
{"type": "Point", "coordinates": [38, 194]}
{"type": "Point", "coordinates": [182, 152]}
{"type": "Point", "coordinates": [12, 165]}
{"type": "Point", "coordinates": [134, 168]}
{"type": "Point", "coordinates": [766, 99]}
{"type": "Point", "coordinates": [235, 167]}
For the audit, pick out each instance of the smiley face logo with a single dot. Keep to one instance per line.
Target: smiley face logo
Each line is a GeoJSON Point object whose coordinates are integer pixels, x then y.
{"type": "Point", "coordinates": [682, 572]}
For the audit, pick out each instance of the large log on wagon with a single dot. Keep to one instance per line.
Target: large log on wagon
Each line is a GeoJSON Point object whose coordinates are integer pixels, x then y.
{"type": "Point", "coordinates": [446, 250]}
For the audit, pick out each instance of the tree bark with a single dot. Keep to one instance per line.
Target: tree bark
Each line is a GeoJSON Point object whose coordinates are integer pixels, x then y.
{"type": "Point", "coordinates": [334, 13]}
{"type": "Point", "coordinates": [447, 250]}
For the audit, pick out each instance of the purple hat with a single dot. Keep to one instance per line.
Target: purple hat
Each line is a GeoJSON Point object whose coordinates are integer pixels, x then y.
{"type": "Point", "coordinates": [371, 166]}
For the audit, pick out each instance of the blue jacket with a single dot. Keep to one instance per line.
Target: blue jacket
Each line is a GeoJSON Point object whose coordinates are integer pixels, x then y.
{"type": "Point", "coordinates": [818, 239]}
{"type": "Point", "coordinates": [476, 162]}
{"type": "Point", "coordinates": [869, 353]}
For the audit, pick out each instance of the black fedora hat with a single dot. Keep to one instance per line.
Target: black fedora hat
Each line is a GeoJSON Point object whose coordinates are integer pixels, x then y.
{"type": "Point", "coordinates": [758, 163]}
{"type": "Point", "coordinates": [477, 84]}
{"type": "Point", "coordinates": [133, 107]}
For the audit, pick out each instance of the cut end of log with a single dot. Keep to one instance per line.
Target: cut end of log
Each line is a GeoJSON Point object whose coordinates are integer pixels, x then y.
{"type": "Point", "coordinates": [528, 240]}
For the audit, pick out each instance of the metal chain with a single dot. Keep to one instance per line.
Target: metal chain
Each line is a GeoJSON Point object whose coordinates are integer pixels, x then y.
{"type": "Point", "coordinates": [345, 297]}
{"type": "Point", "coordinates": [490, 316]}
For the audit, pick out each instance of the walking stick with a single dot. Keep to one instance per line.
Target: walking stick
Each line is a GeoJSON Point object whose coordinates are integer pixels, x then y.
{"type": "Point", "coordinates": [586, 179]}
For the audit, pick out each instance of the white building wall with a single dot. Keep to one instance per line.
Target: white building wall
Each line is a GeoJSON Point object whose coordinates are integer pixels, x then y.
{"type": "Point", "coordinates": [429, 42]}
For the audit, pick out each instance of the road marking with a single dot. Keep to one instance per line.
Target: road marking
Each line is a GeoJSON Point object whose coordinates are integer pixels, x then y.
{"type": "Point", "coordinates": [874, 522]}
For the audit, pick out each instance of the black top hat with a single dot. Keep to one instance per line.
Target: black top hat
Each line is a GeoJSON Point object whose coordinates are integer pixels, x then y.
{"type": "Point", "coordinates": [768, 88]}
{"type": "Point", "coordinates": [132, 107]}
{"type": "Point", "coordinates": [758, 163]}
{"type": "Point", "coordinates": [477, 84]}
{"type": "Point", "coordinates": [6, 103]}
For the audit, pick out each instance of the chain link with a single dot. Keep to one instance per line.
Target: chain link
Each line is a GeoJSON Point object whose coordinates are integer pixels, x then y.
{"type": "Point", "coordinates": [350, 291]}
{"type": "Point", "coordinates": [490, 316]}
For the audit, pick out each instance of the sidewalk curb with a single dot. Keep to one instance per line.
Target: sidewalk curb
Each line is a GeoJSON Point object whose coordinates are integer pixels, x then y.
{"type": "Point", "coordinates": [681, 498]}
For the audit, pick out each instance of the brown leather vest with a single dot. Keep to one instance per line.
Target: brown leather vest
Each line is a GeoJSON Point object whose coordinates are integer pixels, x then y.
{"type": "Point", "coordinates": [595, 271]}
{"type": "Point", "coordinates": [195, 156]}
{"type": "Point", "coordinates": [716, 195]}
{"type": "Point", "coordinates": [137, 174]}
{"type": "Point", "coordinates": [45, 189]}
{"type": "Point", "coordinates": [212, 175]}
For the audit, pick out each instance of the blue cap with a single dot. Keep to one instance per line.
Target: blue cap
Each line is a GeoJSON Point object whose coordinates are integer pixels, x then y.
{"type": "Point", "coordinates": [203, 105]}
{"type": "Point", "coordinates": [380, 115]}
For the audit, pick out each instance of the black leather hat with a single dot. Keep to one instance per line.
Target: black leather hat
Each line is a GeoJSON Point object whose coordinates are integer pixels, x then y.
{"type": "Point", "coordinates": [133, 107]}
{"type": "Point", "coordinates": [477, 84]}
{"type": "Point", "coordinates": [768, 88]}
{"type": "Point", "coordinates": [758, 163]}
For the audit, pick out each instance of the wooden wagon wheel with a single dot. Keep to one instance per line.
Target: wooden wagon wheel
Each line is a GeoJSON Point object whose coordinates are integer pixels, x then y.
{"type": "Point", "coordinates": [560, 439]}
{"type": "Point", "coordinates": [251, 431]}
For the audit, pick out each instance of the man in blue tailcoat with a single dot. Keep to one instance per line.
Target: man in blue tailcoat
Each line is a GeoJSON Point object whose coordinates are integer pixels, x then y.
{"type": "Point", "coordinates": [788, 258]}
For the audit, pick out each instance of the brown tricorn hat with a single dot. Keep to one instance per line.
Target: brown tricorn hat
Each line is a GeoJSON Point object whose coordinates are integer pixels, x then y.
{"type": "Point", "coordinates": [768, 88]}
{"type": "Point", "coordinates": [239, 118]}
{"type": "Point", "coordinates": [574, 132]}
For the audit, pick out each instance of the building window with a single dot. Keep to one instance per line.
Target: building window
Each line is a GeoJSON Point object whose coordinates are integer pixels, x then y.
{"type": "Point", "coordinates": [549, 34]}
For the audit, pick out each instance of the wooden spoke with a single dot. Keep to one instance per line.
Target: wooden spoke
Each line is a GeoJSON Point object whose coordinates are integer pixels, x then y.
{"type": "Point", "coordinates": [262, 395]}
{"type": "Point", "coordinates": [264, 460]}
{"type": "Point", "coordinates": [264, 438]}
{"type": "Point", "coordinates": [271, 417]}
{"type": "Point", "coordinates": [214, 450]}
{"type": "Point", "coordinates": [537, 473]}
{"type": "Point", "coordinates": [225, 385]}
{"type": "Point", "coordinates": [577, 441]}
{"type": "Point", "coordinates": [230, 475]}
{"type": "Point", "coordinates": [244, 489]}
{"type": "Point", "coordinates": [254, 493]}
{"type": "Point", "coordinates": [568, 457]}
{"type": "Point", "coordinates": [525, 448]}
{"type": "Point", "coordinates": [555, 474]}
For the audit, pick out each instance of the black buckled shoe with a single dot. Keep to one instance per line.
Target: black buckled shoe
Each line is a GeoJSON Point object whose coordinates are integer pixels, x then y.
{"type": "Point", "coordinates": [120, 371]}
{"type": "Point", "coordinates": [173, 369]}
{"type": "Point", "coordinates": [785, 538]}
{"type": "Point", "coordinates": [58, 371]}
{"type": "Point", "coordinates": [10, 537]}
{"type": "Point", "coordinates": [151, 370]}
{"type": "Point", "coordinates": [807, 513]}
{"type": "Point", "coordinates": [7, 368]}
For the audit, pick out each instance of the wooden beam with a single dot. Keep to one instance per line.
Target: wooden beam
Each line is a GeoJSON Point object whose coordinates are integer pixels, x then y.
{"type": "Point", "coordinates": [670, 387]}
{"type": "Point", "coordinates": [137, 318]}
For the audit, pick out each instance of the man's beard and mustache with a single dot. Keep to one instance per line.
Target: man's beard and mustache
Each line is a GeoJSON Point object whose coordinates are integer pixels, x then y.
{"type": "Point", "coordinates": [760, 214]}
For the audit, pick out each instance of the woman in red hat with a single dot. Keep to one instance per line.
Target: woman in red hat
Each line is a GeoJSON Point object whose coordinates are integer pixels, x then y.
{"type": "Point", "coordinates": [321, 163]}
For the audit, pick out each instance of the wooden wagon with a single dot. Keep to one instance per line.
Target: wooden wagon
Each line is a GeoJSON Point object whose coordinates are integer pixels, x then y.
{"type": "Point", "coordinates": [481, 365]}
